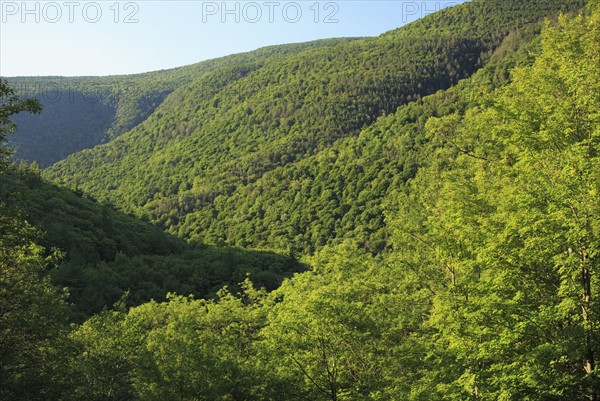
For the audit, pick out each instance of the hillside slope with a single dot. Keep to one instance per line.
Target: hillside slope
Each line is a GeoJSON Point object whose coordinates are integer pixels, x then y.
{"type": "Point", "coordinates": [340, 192]}
{"type": "Point", "coordinates": [105, 253]}
{"type": "Point", "coordinates": [487, 292]}
{"type": "Point", "coordinates": [229, 128]}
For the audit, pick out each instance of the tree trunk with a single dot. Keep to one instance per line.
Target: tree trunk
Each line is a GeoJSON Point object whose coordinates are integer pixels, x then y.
{"type": "Point", "coordinates": [589, 357]}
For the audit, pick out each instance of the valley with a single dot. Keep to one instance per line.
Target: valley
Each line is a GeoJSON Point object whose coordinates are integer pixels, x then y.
{"type": "Point", "coordinates": [412, 216]}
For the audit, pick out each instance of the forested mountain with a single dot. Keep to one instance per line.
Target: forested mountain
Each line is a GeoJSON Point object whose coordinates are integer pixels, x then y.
{"type": "Point", "coordinates": [452, 238]}
{"type": "Point", "coordinates": [222, 133]}
{"type": "Point", "coordinates": [81, 112]}
{"type": "Point", "coordinates": [339, 192]}
{"type": "Point", "coordinates": [488, 292]}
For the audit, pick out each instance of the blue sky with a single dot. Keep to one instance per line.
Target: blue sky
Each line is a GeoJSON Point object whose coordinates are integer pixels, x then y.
{"type": "Point", "coordinates": [73, 38]}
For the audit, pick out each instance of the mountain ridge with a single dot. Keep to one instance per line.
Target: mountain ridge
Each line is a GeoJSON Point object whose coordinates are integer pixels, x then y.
{"type": "Point", "coordinates": [226, 130]}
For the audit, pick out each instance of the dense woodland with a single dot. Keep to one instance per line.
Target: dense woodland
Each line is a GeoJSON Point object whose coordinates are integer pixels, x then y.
{"type": "Point", "coordinates": [214, 145]}
{"type": "Point", "coordinates": [105, 253]}
{"type": "Point", "coordinates": [426, 203]}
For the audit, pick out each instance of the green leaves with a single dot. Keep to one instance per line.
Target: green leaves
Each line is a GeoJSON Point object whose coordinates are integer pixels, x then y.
{"type": "Point", "coordinates": [486, 289]}
{"type": "Point", "coordinates": [183, 349]}
{"type": "Point", "coordinates": [33, 316]}
{"type": "Point", "coordinates": [346, 331]}
{"type": "Point", "coordinates": [11, 104]}
{"type": "Point", "coordinates": [507, 212]}
{"type": "Point", "coordinates": [33, 323]}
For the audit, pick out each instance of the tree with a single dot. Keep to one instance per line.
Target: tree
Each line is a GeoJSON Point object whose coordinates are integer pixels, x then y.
{"type": "Point", "coordinates": [181, 349]}
{"type": "Point", "coordinates": [11, 104]}
{"type": "Point", "coordinates": [346, 331]}
{"type": "Point", "coordinates": [33, 315]}
{"type": "Point", "coordinates": [509, 215]}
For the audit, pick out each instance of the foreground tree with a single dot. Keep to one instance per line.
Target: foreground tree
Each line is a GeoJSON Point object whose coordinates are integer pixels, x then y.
{"type": "Point", "coordinates": [11, 104]}
{"type": "Point", "coordinates": [348, 330]}
{"type": "Point", "coordinates": [33, 316]}
{"type": "Point", "coordinates": [507, 223]}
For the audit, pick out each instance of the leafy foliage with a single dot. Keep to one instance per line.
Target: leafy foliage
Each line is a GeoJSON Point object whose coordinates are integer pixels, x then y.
{"type": "Point", "coordinates": [504, 222]}
{"type": "Point", "coordinates": [32, 312]}
{"type": "Point", "coordinates": [486, 290]}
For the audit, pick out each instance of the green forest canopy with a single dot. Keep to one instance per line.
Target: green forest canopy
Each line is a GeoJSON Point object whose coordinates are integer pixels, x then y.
{"type": "Point", "coordinates": [486, 289]}
{"type": "Point", "coordinates": [242, 155]}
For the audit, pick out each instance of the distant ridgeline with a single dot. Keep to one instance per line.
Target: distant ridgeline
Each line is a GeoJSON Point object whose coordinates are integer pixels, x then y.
{"type": "Point", "coordinates": [82, 112]}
